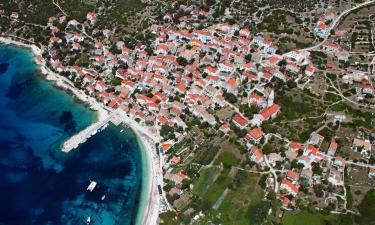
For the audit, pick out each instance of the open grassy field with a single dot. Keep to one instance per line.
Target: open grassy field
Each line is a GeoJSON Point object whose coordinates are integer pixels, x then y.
{"type": "Point", "coordinates": [217, 188]}
{"type": "Point", "coordinates": [227, 158]}
{"type": "Point", "coordinates": [302, 217]}
{"type": "Point", "coordinates": [241, 204]}
{"type": "Point", "coordinates": [206, 179]}
{"type": "Point", "coordinates": [306, 217]}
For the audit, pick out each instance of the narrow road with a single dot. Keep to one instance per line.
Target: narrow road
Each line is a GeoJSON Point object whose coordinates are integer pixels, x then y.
{"type": "Point", "coordinates": [35, 25]}
{"type": "Point", "coordinates": [272, 170]}
{"type": "Point", "coordinates": [360, 164]}
{"type": "Point", "coordinates": [339, 93]}
{"type": "Point", "coordinates": [251, 171]}
{"type": "Point", "coordinates": [58, 6]}
{"type": "Point", "coordinates": [333, 25]}
{"type": "Point", "coordinates": [276, 188]}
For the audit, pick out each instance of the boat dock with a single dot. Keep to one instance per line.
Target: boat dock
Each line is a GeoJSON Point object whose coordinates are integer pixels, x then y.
{"type": "Point", "coordinates": [85, 134]}
{"type": "Point", "coordinates": [116, 117]}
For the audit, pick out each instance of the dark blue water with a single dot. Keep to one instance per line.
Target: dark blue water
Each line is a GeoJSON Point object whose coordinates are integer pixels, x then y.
{"type": "Point", "coordinates": [39, 184]}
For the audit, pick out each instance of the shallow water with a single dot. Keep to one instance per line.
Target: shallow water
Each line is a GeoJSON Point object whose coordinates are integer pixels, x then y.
{"type": "Point", "coordinates": [39, 184]}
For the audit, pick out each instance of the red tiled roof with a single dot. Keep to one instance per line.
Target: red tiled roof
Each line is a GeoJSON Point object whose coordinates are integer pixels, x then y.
{"type": "Point", "coordinates": [182, 175]}
{"type": "Point", "coordinates": [175, 160]}
{"type": "Point", "coordinates": [267, 75]}
{"type": "Point", "coordinates": [258, 154]}
{"type": "Point", "coordinates": [256, 133]}
{"type": "Point", "coordinates": [232, 82]}
{"type": "Point", "coordinates": [255, 96]}
{"type": "Point", "coordinates": [330, 44]}
{"type": "Point", "coordinates": [240, 120]}
{"type": "Point", "coordinates": [292, 175]}
{"type": "Point", "coordinates": [296, 145]}
{"type": "Point", "coordinates": [273, 59]}
{"type": "Point", "coordinates": [269, 111]}
{"type": "Point", "coordinates": [163, 47]}
{"type": "Point", "coordinates": [224, 127]}
{"type": "Point", "coordinates": [366, 86]}
{"type": "Point", "coordinates": [284, 200]}
{"type": "Point", "coordinates": [333, 144]}
{"type": "Point", "coordinates": [322, 26]}
{"type": "Point", "coordinates": [202, 32]}
{"type": "Point", "coordinates": [165, 147]}
{"type": "Point", "coordinates": [310, 69]}
{"type": "Point", "coordinates": [293, 187]}
{"type": "Point", "coordinates": [313, 149]}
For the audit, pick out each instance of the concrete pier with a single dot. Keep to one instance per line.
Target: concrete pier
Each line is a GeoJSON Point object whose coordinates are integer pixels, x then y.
{"type": "Point", "coordinates": [116, 117]}
{"type": "Point", "coordinates": [83, 135]}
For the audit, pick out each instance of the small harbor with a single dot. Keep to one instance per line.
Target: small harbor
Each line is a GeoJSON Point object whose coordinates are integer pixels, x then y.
{"type": "Point", "coordinates": [116, 117]}
{"type": "Point", "coordinates": [36, 119]}
{"type": "Point", "coordinates": [81, 137]}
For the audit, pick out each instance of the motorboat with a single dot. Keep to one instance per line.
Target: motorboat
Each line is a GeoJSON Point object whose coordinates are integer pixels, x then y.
{"type": "Point", "coordinates": [91, 186]}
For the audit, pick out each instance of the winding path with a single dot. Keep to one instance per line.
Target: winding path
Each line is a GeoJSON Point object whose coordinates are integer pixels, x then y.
{"type": "Point", "coordinates": [333, 25]}
{"type": "Point", "coordinates": [58, 6]}
{"type": "Point", "coordinates": [339, 93]}
{"type": "Point", "coordinates": [272, 170]}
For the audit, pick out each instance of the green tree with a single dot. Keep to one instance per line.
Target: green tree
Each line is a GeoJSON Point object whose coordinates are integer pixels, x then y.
{"type": "Point", "coordinates": [258, 213]}
{"type": "Point", "coordinates": [316, 168]}
{"type": "Point", "coordinates": [248, 57]}
{"type": "Point", "coordinates": [268, 148]}
{"type": "Point", "coordinates": [182, 61]}
{"type": "Point", "coordinates": [116, 81]}
{"type": "Point", "coordinates": [166, 130]}
{"type": "Point", "coordinates": [271, 195]}
{"type": "Point", "coordinates": [367, 209]}
{"type": "Point", "coordinates": [291, 83]}
{"type": "Point", "coordinates": [230, 97]}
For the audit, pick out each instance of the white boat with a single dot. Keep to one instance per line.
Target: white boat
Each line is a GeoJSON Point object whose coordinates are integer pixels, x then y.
{"type": "Point", "coordinates": [91, 186]}
{"type": "Point", "coordinates": [103, 197]}
{"type": "Point", "coordinates": [88, 221]}
{"type": "Point", "coordinates": [121, 130]}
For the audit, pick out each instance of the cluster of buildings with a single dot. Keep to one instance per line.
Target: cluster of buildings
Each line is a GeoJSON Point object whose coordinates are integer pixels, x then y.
{"type": "Point", "coordinates": [365, 89]}
{"type": "Point", "coordinates": [185, 70]}
{"type": "Point", "coordinates": [316, 166]}
{"type": "Point", "coordinates": [189, 72]}
{"type": "Point", "coordinates": [336, 51]}
{"type": "Point", "coordinates": [12, 16]}
{"type": "Point", "coordinates": [321, 28]}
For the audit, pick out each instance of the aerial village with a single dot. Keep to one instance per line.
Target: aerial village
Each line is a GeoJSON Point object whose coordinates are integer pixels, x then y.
{"type": "Point", "coordinates": [192, 72]}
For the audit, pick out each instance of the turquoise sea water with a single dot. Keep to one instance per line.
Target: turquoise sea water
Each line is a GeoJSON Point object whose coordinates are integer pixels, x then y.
{"type": "Point", "coordinates": [39, 184]}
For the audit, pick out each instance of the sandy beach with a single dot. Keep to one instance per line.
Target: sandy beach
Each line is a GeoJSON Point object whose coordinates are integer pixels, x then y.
{"type": "Point", "coordinates": [149, 195]}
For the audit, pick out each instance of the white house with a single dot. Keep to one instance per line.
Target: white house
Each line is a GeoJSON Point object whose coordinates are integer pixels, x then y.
{"type": "Point", "coordinates": [226, 67]}
{"type": "Point", "coordinates": [202, 35]}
